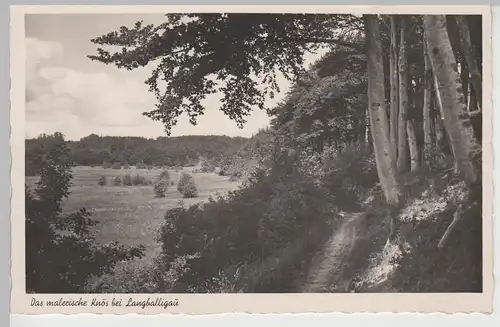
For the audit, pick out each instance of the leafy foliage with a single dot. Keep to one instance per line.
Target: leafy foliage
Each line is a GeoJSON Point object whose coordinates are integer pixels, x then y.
{"type": "Point", "coordinates": [160, 188]}
{"type": "Point", "coordinates": [165, 175]}
{"type": "Point", "coordinates": [61, 252]}
{"type": "Point", "coordinates": [140, 180]}
{"type": "Point", "coordinates": [117, 181]}
{"type": "Point", "coordinates": [145, 276]}
{"type": "Point", "coordinates": [207, 167]}
{"type": "Point", "coordinates": [102, 181]}
{"type": "Point", "coordinates": [186, 186]}
{"type": "Point", "coordinates": [252, 154]}
{"type": "Point", "coordinates": [328, 107]}
{"type": "Point", "coordinates": [127, 180]}
{"type": "Point", "coordinates": [255, 240]}
{"type": "Point", "coordinates": [349, 175]}
{"type": "Point", "coordinates": [202, 54]}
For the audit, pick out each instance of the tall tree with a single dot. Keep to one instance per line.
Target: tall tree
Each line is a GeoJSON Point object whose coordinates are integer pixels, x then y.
{"type": "Point", "coordinates": [402, 161]}
{"type": "Point", "coordinates": [456, 120]}
{"type": "Point", "coordinates": [464, 77]}
{"type": "Point", "coordinates": [393, 63]}
{"type": "Point", "coordinates": [441, 136]}
{"type": "Point", "coordinates": [427, 105]}
{"type": "Point", "coordinates": [470, 58]}
{"type": "Point", "coordinates": [472, 101]}
{"type": "Point", "coordinates": [378, 117]}
{"type": "Point", "coordinates": [413, 146]}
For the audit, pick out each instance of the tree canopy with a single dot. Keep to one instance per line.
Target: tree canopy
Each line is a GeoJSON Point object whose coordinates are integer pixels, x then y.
{"type": "Point", "coordinates": [235, 54]}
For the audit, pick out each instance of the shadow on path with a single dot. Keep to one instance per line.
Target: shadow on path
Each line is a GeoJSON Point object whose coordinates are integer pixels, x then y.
{"type": "Point", "coordinates": [326, 267]}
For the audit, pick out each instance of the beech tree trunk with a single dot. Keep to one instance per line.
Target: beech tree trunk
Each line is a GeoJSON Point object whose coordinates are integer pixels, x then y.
{"type": "Point", "coordinates": [412, 142]}
{"type": "Point", "coordinates": [402, 160]}
{"type": "Point", "coordinates": [470, 58]}
{"type": "Point", "coordinates": [472, 102]}
{"type": "Point", "coordinates": [438, 122]}
{"type": "Point", "coordinates": [456, 120]}
{"type": "Point", "coordinates": [427, 105]}
{"type": "Point", "coordinates": [378, 116]}
{"type": "Point", "coordinates": [393, 63]}
{"type": "Point", "coordinates": [367, 125]}
{"type": "Point", "coordinates": [464, 77]}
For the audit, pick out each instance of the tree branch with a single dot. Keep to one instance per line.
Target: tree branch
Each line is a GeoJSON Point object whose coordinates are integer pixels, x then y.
{"type": "Point", "coordinates": [456, 218]}
{"type": "Point", "coordinates": [354, 46]}
{"type": "Point", "coordinates": [474, 113]}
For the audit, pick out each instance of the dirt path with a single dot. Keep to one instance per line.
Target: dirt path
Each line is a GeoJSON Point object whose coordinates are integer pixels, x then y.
{"type": "Point", "coordinates": [326, 267]}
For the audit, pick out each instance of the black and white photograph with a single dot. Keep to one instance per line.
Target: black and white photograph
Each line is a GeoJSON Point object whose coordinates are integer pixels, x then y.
{"type": "Point", "coordinates": [255, 152]}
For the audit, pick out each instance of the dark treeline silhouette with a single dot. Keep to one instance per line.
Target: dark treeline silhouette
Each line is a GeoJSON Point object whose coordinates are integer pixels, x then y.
{"type": "Point", "coordinates": [94, 150]}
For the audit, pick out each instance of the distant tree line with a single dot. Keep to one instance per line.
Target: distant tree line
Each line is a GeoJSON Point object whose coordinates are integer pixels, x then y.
{"type": "Point", "coordinates": [94, 150]}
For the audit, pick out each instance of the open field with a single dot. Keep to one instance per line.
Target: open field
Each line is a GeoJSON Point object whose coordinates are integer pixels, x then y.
{"type": "Point", "coordinates": [132, 214]}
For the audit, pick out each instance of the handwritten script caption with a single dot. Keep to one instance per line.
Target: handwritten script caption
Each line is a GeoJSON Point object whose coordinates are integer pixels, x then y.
{"type": "Point", "coordinates": [114, 302]}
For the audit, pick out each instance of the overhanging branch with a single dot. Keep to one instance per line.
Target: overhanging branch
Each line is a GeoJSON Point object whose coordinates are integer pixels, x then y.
{"type": "Point", "coordinates": [354, 46]}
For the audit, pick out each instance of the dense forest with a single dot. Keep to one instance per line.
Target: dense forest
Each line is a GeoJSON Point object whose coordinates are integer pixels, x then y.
{"type": "Point", "coordinates": [387, 124]}
{"type": "Point", "coordinates": [94, 150]}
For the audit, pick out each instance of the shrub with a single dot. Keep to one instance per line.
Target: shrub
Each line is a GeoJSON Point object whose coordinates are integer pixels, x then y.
{"type": "Point", "coordinates": [164, 175]}
{"type": "Point", "coordinates": [102, 181]}
{"type": "Point", "coordinates": [126, 165]}
{"type": "Point", "coordinates": [186, 186]}
{"type": "Point", "coordinates": [150, 167]}
{"type": "Point", "coordinates": [127, 180]}
{"type": "Point", "coordinates": [138, 180]}
{"type": "Point", "coordinates": [349, 175]}
{"type": "Point", "coordinates": [117, 181]}
{"type": "Point", "coordinates": [160, 188]}
{"type": "Point", "coordinates": [207, 167]}
{"type": "Point", "coordinates": [105, 165]}
{"type": "Point", "coordinates": [141, 276]}
{"type": "Point", "coordinates": [222, 172]}
{"type": "Point", "coordinates": [116, 165]}
{"type": "Point", "coordinates": [141, 166]}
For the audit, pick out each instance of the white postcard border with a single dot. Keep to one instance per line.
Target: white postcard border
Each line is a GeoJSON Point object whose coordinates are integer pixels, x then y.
{"type": "Point", "coordinates": [248, 303]}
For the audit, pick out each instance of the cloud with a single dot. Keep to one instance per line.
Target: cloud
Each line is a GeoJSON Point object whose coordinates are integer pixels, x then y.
{"type": "Point", "coordinates": [76, 101]}
{"type": "Point", "coordinates": [63, 96]}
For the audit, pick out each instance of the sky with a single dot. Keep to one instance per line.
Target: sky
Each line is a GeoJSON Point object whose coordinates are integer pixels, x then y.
{"type": "Point", "coordinates": [67, 92]}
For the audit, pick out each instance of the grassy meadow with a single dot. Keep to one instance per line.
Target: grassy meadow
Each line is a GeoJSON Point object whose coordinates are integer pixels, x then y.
{"type": "Point", "coordinates": [132, 214]}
